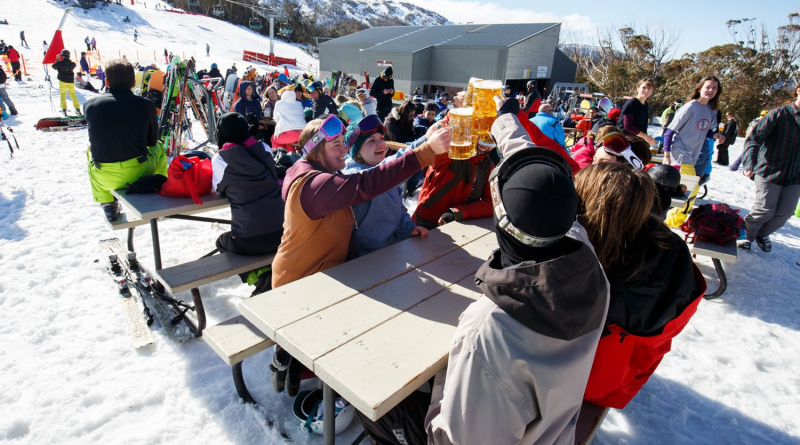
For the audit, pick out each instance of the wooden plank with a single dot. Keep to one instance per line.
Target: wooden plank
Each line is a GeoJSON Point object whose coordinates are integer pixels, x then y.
{"type": "Point", "coordinates": [236, 339]}
{"type": "Point", "coordinates": [280, 307]}
{"type": "Point", "coordinates": [312, 337]}
{"type": "Point", "coordinates": [379, 369]}
{"type": "Point", "coordinates": [151, 205]}
{"type": "Point", "coordinates": [690, 181]}
{"type": "Point", "coordinates": [395, 145]}
{"type": "Point", "coordinates": [728, 252]}
{"type": "Point", "coordinates": [589, 421]}
{"type": "Point", "coordinates": [209, 269]}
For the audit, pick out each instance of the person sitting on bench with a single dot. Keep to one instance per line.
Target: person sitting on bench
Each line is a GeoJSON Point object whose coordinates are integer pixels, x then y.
{"type": "Point", "coordinates": [244, 172]}
{"type": "Point", "coordinates": [84, 84]}
{"type": "Point", "coordinates": [655, 286]}
{"type": "Point", "coordinates": [123, 133]}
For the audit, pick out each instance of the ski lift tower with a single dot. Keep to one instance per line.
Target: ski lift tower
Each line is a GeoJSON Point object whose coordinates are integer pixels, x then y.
{"type": "Point", "coordinates": [267, 13]}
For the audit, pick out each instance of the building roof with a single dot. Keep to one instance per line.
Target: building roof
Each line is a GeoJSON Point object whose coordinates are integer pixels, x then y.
{"type": "Point", "coordinates": [410, 39]}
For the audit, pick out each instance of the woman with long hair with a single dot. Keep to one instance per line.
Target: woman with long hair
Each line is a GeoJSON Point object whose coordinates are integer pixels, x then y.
{"type": "Point", "coordinates": [685, 138]}
{"type": "Point", "coordinates": [318, 217]}
{"type": "Point", "coordinates": [400, 123]}
{"type": "Point", "coordinates": [655, 286]}
{"type": "Point", "coordinates": [636, 111]}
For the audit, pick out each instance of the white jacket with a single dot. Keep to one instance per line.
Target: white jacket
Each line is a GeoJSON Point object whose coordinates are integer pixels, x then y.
{"type": "Point", "coordinates": [288, 114]}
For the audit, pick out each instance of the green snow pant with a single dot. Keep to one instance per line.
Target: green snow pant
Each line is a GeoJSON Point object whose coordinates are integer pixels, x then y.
{"type": "Point", "coordinates": [117, 175]}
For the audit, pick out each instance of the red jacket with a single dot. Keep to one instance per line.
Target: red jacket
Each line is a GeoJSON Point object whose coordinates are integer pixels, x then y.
{"type": "Point", "coordinates": [624, 362]}
{"type": "Point", "coordinates": [583, 152]}
{"type": "Point", "coordinates": [13, 55]}
{"type": "Point", "coordinates": [461, 185]}
{"type": "Point", "coordinates": [542, 140]}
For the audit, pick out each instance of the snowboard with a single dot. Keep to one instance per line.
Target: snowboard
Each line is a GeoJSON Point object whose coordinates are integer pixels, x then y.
{"type": "Point", "coordinates": [61, 123]}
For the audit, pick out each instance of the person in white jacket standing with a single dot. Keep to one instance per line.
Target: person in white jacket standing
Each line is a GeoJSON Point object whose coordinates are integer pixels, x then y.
{"type": "Point", "coordinates": [289, 121]}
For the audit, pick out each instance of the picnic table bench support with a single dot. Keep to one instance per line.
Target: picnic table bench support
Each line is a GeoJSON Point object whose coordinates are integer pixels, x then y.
{"type": "Point", "coordinates": [723, 280]}
{"type": "Point", "coordinates": [130, 239]}
{"type": "Point", "coordinates": [328, 422]}
{"type": "Point", "coordinates": [156, 243]}
{"type": "Point", "coordinates": [241, 386]}
{"type": "Point", "coordinates": [200, 218]}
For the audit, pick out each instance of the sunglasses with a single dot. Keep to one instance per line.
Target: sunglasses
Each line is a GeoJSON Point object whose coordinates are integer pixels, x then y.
{"type": "Point", "coordinates": [331, 127]}
{"type": "Point", "coordinates": [616, 144]}
{"type": "Point", "coordinates": [366, 126]}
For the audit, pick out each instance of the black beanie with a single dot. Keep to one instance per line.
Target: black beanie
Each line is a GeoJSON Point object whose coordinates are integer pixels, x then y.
{"type": "Point", "coordinates": [232, 127]}
{"type": "Point", "coordinates": [540, 200]}
{"type": "Point", "coordinates": [388, 71]}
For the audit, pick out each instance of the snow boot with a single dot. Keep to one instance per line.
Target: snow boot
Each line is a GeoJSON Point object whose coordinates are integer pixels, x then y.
{"type": "Point", "coordinates": [764, 243]}
{"type": "Point", "coordinates": [745, 245]}
{"type": "Point", "coordinates": [293, 378]}
{"type": "Point", "coordinates": [278, 368]}
{"type": "Point", "coordinates": [261, 279]}
{"type": "Point", "coordinates": [64, 112]}
{"type": "Point", "coordinates": [111, 209]}
{"type": "Point", "coordinates": [13, 111]}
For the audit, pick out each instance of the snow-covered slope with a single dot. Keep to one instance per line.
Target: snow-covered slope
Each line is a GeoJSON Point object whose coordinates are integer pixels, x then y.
{"type": "Point", "coordinates": [373, 13]}
{"type": "Point", "coordinates": [69, 375]}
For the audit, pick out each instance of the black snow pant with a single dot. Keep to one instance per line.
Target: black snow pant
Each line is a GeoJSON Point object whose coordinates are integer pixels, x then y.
{"type": "Point", "coordinates": [249, 245]}
{"type": "Point", "coordinates": [16, 70]}
{"type": "Point", "coordinates": [403, 425]}
{"type": "Point", "coordinates": [722, 154]}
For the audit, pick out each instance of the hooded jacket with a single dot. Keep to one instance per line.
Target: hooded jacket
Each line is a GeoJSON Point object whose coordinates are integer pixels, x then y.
{"type": "Point", "coordinates": [244, 106]}
{"type": "Point", "coordinates": [583, 152]}
{"type": "Point", "coordinates": [646, 312]}
{"type": "Point", "coordinates": [65, 69]}
{"type": "Point", "coordinates": [521, 354]}
{"type": "Point", "coordinates": [421, 125]}
{"type": "Point", "coordinates": [324, 103]}
{"type": "Point", "coordinates": [384, 101]}
{"type": "Point", "coordinates": [398, 130]}
{"type": "Point", "coordinates": [370, 106]}
{"type": "Point", "coordinates": [383, 220]}
{"type": "Point", "coordinates": [247, 176]}
{"type": "Point", "coordinates": [550, 126]}
{"type": "Point", "coordinates": [288, 113]}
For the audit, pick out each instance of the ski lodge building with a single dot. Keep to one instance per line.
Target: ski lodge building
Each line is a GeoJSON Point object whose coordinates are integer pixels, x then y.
{"type": "Point", "coordinates": [444, 57]}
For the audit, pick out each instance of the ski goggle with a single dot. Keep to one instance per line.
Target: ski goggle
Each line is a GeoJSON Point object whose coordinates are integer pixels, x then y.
{"type": "Point", "coordinates": [366, 126]}
{"type": "Point", "coordinates": [331, 127]}
{"type": "Point", "coordinates": [616, 144]}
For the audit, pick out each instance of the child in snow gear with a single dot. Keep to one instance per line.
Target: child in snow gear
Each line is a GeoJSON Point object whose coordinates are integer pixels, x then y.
{"type": "Point", "coordinates": [4, 99]}
{"type": "Point", "coordinates": [123, 135]}
{"type": "Point", "coordinates": [245, 173]}
{"type": "Point", "coordinates": [66, 81]}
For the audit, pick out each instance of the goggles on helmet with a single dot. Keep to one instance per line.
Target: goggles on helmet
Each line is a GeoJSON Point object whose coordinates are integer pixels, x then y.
{"type": "Point", "coordinates": [331, 127]}
{"type": "Point", "coordinates": [366, 126]}
{"type": "Point", "coordinates": [617, 145]}
{"type": "Point", "coordinates": [513, 162]}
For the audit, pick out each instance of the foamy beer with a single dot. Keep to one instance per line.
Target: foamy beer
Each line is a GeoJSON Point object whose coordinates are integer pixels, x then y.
{"type": "Point", "coordinates": [461, 146]}
{"type": "Point", "coordinates": [485, 112]}
{"type": "Point", "coordinates": [470, 91]}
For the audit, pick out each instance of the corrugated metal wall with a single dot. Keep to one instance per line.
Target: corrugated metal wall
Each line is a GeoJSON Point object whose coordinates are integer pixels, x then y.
{"type": "Point", "coordinates": [564, 69]}
{"type": "Point", "coordinates": [457, 65]}
{"type": "Point", "coordinates": [401, 64]}
{"type": "Point", "coordinates": [342, 58]}
{"type": "Point", "coordinates": [537, 51]}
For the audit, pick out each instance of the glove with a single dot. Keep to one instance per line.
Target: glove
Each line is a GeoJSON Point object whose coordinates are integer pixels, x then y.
{"type": "Point", "coordinates": [147, 184]}
{"type": "Point", "coordinates": [446, 218]}
{"type": "Point", "coordinates": [510, 107]}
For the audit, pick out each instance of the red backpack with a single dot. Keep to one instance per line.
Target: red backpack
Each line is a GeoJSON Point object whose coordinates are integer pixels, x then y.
{"type": "Point", "coordinates": [716, 223]}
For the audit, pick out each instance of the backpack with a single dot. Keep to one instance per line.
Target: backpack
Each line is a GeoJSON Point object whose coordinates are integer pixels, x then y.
{"type": "Point", "coordinates": [716, 223]}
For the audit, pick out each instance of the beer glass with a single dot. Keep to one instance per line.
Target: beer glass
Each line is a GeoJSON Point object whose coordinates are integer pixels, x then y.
{"type": "Point", "coordinates": [485, 112]}
{"type": "Point", "coordinates": [461, 146]}
{"type": "Point", "coordinates": [468, 97]}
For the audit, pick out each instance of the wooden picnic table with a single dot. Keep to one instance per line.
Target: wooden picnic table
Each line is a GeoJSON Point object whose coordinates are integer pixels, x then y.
{"type": "Point", "coordinates": [383, 324]}
{"type": "Point", "coordinates": [392, 145]}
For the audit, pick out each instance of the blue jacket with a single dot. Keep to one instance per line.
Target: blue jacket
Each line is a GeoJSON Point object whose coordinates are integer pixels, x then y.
{"type": "Point", "coordinates": [441, 106]}
{"type": "Point", "coordinates": [421, 125]}
{"type": "Point", "coordinates": [550, 126]}
{"type": "Point", "coordinates": [84, 65]}
{"type": "Point", "coordinates": [244, 106]}
{"type": "Point", "coordinates": [383, 220]}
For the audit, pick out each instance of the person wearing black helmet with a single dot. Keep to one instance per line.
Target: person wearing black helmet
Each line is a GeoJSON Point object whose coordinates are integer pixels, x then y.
{"type": "Point", "coordinates": [532, 100]}
{"type": "Point", "coordinates": [383, 91]}
{"type": "Point", "coordinates": [545, 297]}
{"type": "Point", "coordinates": [66, 81]}
{"type": "Point", "coordinates": [323, 104]}
{"type": "Point", "coordinates": [668, 183]}
{"type": "Point", "coordinates": [214, 71]}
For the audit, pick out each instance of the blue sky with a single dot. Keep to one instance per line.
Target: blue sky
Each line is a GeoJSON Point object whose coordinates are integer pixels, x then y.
{"type": "Point", "coordinates": [700, 24]}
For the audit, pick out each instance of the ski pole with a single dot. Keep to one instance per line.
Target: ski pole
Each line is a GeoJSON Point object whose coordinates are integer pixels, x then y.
{"type": "Point", "coordinates": [12, 135]}
{"type": "Point", "coordinates": [3, 136]}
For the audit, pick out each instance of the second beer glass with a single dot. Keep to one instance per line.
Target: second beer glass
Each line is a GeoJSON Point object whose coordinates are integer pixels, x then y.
{"type": "Point", "coordinates": [485, 112]}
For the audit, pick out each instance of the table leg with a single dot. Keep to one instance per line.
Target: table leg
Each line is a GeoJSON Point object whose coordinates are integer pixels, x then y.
{"type": "Point", "coordinates": [130, 239]}
{"type": "Point", "coordinates": [241, 387]}
{"type": "Point", "coordinates": [156, 243]}
{"type": "Point", "coordinates": [723, 280]}
{"type": "Point", "coordinates": [328, 421]}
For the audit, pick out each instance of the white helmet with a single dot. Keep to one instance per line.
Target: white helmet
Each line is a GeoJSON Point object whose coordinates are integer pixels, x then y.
{"type": "Point", "coordinates": [308, 408]}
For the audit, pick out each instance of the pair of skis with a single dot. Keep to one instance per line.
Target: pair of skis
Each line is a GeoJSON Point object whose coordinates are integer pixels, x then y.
{"type": "Point", "coordinates": [141, 301]}
{"type": "Point", "coordinates": [5, 138]}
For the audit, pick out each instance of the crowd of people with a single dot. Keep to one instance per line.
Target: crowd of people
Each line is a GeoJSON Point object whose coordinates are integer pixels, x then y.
{"type": "Point", "coordinates": [590, 227]}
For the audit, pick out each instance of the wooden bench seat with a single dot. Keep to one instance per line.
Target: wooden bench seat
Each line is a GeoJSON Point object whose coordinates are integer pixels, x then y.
{"type": "Point", "coordinates": [125, 222]}
{"type": "Point", "coordinates": [208, 270]}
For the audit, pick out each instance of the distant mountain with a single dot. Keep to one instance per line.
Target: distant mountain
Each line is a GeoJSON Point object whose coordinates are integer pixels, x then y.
{"type": "Point", "coordinates": [372, 13]}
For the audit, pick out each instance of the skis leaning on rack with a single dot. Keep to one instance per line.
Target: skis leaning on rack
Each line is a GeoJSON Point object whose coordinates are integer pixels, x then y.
{"type": "Point", "coordinates": [142, 301]}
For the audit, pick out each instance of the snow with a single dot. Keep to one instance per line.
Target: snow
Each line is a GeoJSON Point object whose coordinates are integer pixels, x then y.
{"type": "Point", "coordinates": [68, 373]}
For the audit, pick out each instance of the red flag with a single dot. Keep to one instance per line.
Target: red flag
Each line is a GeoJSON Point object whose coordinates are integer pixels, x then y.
{"type": "Point", "coordinates": [57, 43]}
{"type": "Point", "coordinates": [56, 46]}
